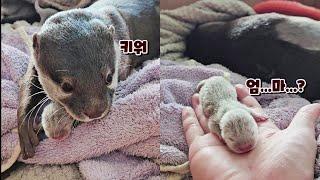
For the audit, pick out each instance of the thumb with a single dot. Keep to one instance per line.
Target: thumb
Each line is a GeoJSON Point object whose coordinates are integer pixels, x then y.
{"type": "Point", "coordinates": [306, 117]}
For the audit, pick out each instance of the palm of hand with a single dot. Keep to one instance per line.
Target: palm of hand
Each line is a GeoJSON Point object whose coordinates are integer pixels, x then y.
{"type": "Point", "coordinates": [279, 154]}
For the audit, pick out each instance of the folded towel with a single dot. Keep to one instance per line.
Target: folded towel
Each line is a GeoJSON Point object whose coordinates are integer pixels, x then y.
{"type": "Point", "coordinates": [46, 8]}
{"type": "Point", "coordinates": [118, 166]}
{"type": "Point", "coordinates": [13, 10]}
{"type": "Point", "coordinates": [37, 172]}
{"type": "Point", "coordinates": [176, 24]}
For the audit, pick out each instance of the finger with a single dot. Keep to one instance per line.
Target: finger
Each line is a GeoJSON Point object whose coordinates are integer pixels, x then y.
{"type": "Point", "coordinates": [245, 98]}
{"type": "Point", "coordinates": [306, 117]}
{"type": "Point", "coordinates": [207, 140]}
{"type": "Point", "coordinates": [199, 113]}
{"type": "Point", "coordinates": [191, 126]}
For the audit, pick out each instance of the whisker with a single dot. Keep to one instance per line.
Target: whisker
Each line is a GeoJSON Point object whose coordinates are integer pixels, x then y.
{"type": "Point", "coordinates": [40, 127]}
{"type": "Point", "coordinates": [31, 110]}
{"type": "Point", "coordinates": [57, 125]}
{"type": "Point", "coordinates": [126, 66]}
{"type": "Point", "coordinates": [34, 76]}
{"type": "Point", "coordinates": [34, 108]}
{"type": "Point", "coordinates": [55, 112]}
{"type": "Point", "coordinates": [61, 118]}
{"type": "Point", "coordinates": [35, 85]}
{"type": "Point", "coordinates": [39, 110]}
{"type": "Point", "coordinates": [36, 94]}
{"type": "Point", "coordinates": [62, 70]}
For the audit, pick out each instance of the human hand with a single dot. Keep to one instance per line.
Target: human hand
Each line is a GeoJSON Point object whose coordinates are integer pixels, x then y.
{"type": "Point", "coordinates": [279, 154]}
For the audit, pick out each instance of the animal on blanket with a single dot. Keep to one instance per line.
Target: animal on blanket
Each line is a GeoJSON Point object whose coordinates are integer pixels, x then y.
{"type": "Point", "coordinates": [232, 121]}
{"type": "Point", "coordinates": [277, 51]}
{"type": "Point", "coordinates": [77, 63]}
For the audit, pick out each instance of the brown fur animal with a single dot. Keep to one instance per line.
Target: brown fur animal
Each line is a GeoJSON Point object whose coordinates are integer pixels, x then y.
{"type": "Point", "coordinates": [77, 62]}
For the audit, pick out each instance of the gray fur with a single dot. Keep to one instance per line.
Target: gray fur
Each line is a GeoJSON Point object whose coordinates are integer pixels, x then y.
{"type": "Point", "coordinates": [80, 47]}
{"type": "Point", "coordinates": [228, 118]}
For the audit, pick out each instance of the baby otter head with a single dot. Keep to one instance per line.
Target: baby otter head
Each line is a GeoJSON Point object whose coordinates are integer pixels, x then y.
{"type": "Point", "coordinates": [76, 58]}
{"type": "Point", "coordinates": [239, 130]}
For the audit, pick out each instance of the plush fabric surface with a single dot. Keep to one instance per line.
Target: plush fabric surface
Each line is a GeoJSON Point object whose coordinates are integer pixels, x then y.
{"type": "Point", "coordinates": [37, 172]}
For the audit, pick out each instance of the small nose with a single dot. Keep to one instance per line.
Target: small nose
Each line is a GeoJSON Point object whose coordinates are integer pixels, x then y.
{"type": "Point", "coordinates": [245, 147]}
{"type": "Point", "coordinates": [94, 112]}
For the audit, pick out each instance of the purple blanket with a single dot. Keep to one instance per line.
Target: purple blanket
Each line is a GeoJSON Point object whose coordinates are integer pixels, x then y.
{"type": "Point", "coordinates": [178, 84]}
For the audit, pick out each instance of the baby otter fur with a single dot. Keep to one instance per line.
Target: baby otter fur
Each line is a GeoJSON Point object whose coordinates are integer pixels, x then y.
{"type": "Point", "coordinates": [232, 121]}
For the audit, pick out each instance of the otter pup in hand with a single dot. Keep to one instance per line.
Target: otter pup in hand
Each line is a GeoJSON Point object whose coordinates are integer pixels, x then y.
{"type": "Point", "coordinates": [232, 121]}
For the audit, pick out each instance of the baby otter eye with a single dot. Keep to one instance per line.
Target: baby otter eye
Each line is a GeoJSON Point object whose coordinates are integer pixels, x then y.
{"type": "Point", "coordinates": [67, 87]}
{"type": "Point", "coordinates": [109, 79]}
{"type": "Point", "coordinates": [231, 139]}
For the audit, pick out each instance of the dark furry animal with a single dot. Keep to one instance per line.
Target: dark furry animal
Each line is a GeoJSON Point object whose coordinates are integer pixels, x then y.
{"type": "Point", "coordinates": [77, 62]}
{"type": "Point", "coordinates": [263, 46]}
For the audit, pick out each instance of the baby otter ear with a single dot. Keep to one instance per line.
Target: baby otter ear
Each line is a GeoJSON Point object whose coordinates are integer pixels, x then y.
{"type": "Point", "coordinates": [199, 86]}
{"type": "Point", "coordinates": [111, 29]}
{"type": "Point", "coordinates": [36, 45]}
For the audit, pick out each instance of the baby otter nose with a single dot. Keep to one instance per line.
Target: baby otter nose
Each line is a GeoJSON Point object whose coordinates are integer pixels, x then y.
{"type": "Point", "coordinates": [94, 112]}
{"type": "Point", "coordinates": [245, 148]}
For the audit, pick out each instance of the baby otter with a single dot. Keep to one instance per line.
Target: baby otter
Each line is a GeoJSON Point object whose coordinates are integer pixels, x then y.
{"type": "Point", "coordinates": [77, 62]}
{"type": "Point", "coordinates": [232, 121]}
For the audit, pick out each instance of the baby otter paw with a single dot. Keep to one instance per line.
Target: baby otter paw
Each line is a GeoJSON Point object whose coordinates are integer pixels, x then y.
{"type": "Point", "coordinates": [56, 122]}
{"type": "Point", "coordinates": [259, 116]}
{"type": "Point", "coordinates": [28, 140]}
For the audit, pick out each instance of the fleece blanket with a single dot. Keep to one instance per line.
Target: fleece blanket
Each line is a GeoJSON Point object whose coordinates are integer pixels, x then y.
{"type": "Point", "coordinates": [12, 10]}
{"type": "Point", "coordinates": [132, 126]}
{"type": "Point", "coordinates": [40, 172]}
{"type": "Point", "coordinates": [180, 76]}
{"type": "Point", "coordinates": [46, 8]}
